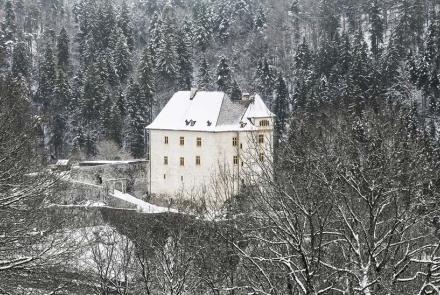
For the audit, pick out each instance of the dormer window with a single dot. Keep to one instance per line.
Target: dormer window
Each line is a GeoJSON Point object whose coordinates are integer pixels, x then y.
{"type": "Point", "coordinates": [264, 123]}
{"type": "Point", "coordinates": [209, 123]}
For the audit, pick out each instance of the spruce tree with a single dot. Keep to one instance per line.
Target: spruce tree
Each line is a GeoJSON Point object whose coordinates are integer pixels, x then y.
{"type": "Point", "coordinates": [122, 57]}
{"type": "Point", "coordinates": [93, 95]}
{"type": "Point", "coordinates": [236, 91]}
{"type": "Point", "coordinates": [10, 25]}
{"type": "Point", "coordinates": [21, 61]}
{"type": "Point", "coordinates": [135, 120]}
{"type": "Point", "coordinates": [124, 22]}
{"type": "Point", "coordinates": [224, 76]}
{"type": "Point", "coordinates": [281, 107]}
{"type": "Point", "coordinates": [376, 30]}
{"type": "Point", "coordinates": [166, 55]}
{"type": "Point", "coordinates": [184, 63]}
{"type": "Point", "coordinates": [260, 20]}
{"type": "Point", "coordinates": [295, 15]}
{"type": "Point", "coordinates": [204, 78]}
{"type": "Point", "coordinates": [202, 17]}
{"type": "Point", "coordinates": [155, 36]}
{"type": "Point", "coordinates": [146, 83]}
{"type": "Point", "coordinates": [61, 101]}
{"type": "Point", "coordinates": [63, 51]}
{"type": "Point", "coordinates": [47, 77]}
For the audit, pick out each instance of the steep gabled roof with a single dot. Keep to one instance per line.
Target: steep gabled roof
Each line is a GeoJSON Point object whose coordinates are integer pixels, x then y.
{"type": "Point", "coordinates": [209, 111]}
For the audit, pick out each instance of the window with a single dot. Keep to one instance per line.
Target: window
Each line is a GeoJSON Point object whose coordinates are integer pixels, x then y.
{"type": "Point", "coordinates": [235, 160]}
{"type": "Point", "coordinates": [182, 161]}
{"type": "Point", "coordinates": [199, 141]}
{"type": "Point", "coordinates": [181, 178]}
{"type": "Point", "coordinates": [164, 176]}
{"type": "Point", "coordinates": [234, 141]}
{"type": "Point", "coordinates": [241, 145]}
{"type": "Point", "coordinates": [261, 157]}
{"type": "Point", "coordinates": [198, 160]}
{"type": "Point", "coordinates": [165, 160]}
{"type": "Point", "coordinates": [261, 138]}
{"type": "Point", "coordinates": [165, 140]}
{"type": "Point", "coordinates": [182, 140]}
{"type": "Point", "coordinates": [264, 123]}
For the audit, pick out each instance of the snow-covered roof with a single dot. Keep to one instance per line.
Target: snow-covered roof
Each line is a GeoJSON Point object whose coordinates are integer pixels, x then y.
{"type": "Point", "coordinates": [209, 111]}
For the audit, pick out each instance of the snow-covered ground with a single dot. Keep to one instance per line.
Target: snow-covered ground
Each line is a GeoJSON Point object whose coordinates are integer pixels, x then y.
{"type": "Point", "coordinates": [142, 206]}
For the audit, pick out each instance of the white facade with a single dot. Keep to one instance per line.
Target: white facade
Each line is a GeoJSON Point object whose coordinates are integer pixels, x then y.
{"type": "Point", "coordinates": [203, 144]}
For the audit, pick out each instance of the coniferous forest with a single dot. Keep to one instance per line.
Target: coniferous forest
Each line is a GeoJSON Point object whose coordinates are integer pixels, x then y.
{"type": "Point", "coordinates": [351, 205]}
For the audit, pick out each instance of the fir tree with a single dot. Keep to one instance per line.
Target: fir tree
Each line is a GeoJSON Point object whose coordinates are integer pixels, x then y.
{"type": "Point", "coordinates": [124, 22]}
{"type": "Point", "coordinates": [122, 57]}
{"type": "Point", "coordinates": [21, 61]}
{"type": "Point", "coordinates": [184, 63]}
{"type": "Point", "coordinates": [155, 36]}
{"type": "Point", "coordinates": [236, 91]}
{"type": "Point", "coordinates": [265, 80]}
{"type": "Point", "coordinates": [281, 107]}
{"type": "Point", "coordinates": [204, 78]}
{"type": "Point", "coordinates": [63, 51]}
{"type": "Point", "coordinates": [295, 14]}
{"type": "Point", "coordinates": [329, 18]}
{"type": "Point", "coordinates": [202, 17]}
{"type": "Point", "coordinates": [260, 20]}
{"type": "Point", "coordinates": [47, 78]}
{"type": "Point", "coordinates": [62, 95]}
{"type": "Point", "coordinates": [93, 96]}
{"type": "Point", "coordinates": [146, 83]}
{"type": "Point", "coordinates": [376, 31]}
{"type": "Point", "coordinates": [166, 56]}
{"type": "Point", "coordinates": [224, 76]}
{"type": "Point", "coordinates": [10, 25]}
{"type": "Point", "coordinates": [135, 120]}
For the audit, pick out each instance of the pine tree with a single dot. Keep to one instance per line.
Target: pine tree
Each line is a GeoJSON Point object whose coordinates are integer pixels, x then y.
{"type": "Point", "coordinates": [47, 78]}
{"type": "Point", "coordinates": [204, 78]}
{"type": "Point", "coordinates": [124, 22]}
{"type": "Point", "coordinates": [281, 107]}
{"type": "Point", "coordinates": [224, 76]}
{"type": "Point", "coordinates": [236, 91]}
{"type": "Point", "coordinates": [10, 25]}
{"type": "Point", "coordinates": [21, 61]}
{"type": "Point", "coordinates": [376, 31]}
{"type": "Point", "coordinates": [184, 63]}
{"type": "Point", "coordinates": [63, 51]}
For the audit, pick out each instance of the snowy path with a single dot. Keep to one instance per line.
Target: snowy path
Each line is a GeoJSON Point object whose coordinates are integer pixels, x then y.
{"type": "Point", "coordinates": [142, 206]}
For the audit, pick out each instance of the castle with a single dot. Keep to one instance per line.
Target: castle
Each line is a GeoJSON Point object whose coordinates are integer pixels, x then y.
{"type": "Point", "coordinates": [203, 142]}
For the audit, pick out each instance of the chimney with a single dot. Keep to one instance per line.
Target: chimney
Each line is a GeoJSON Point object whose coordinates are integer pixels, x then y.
{"type": "Point", "coordinates": [245, 96]}
{"type": "Point", "coordinates": [193, 93]}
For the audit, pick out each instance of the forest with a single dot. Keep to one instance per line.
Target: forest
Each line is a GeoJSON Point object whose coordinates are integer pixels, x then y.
{"type": "Point", "coordinates": [351, 205]}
